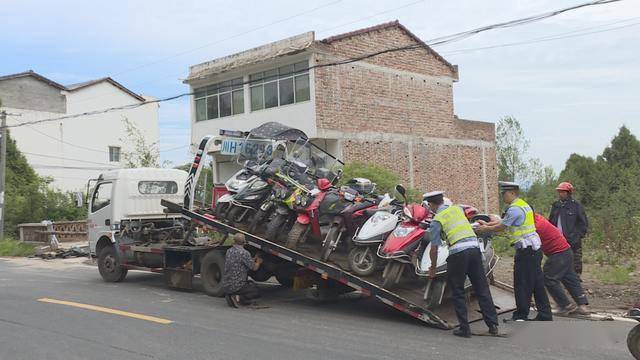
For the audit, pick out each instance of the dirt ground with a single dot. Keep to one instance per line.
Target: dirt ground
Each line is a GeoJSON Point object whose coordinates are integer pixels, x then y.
{"type": "Point", "coordinates": [614, 298]}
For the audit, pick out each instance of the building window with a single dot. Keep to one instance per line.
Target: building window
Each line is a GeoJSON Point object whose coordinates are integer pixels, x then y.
{"type": "Point", "coordinates": [282, 86]}
{"type": "Point", "coordinates": [219, 100]}
{"type": "Point", "coordinates": [114, 153]}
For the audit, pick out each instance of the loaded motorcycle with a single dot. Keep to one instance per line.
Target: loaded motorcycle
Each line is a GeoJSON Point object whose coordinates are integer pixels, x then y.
{"type": "Point", "coordinates": [346, 223]}
{"type": "Point", "coordinates": [383, 220]}
{"type": "Point", "coordinates": [404, 241]}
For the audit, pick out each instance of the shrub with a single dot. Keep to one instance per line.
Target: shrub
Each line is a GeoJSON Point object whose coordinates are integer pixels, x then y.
{"type": "Point", "coordinates": [10, 247]}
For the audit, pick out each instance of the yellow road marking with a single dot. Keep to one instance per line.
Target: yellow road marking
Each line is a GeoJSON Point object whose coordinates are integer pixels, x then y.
{"type": "Point", "coordinates": [107, 310]}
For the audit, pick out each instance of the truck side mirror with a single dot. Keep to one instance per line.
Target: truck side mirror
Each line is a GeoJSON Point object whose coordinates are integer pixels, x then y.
{"type": "Point", "coordinates": [79, 199]}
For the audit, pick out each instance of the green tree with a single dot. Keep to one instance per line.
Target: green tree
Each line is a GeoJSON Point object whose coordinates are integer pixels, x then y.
{"type": "Point", "coordinates": [141, 153]}
{"type": "Point", "coordinates": [512, 149]}
{"type": "Point", "coordinates": [28, 196]}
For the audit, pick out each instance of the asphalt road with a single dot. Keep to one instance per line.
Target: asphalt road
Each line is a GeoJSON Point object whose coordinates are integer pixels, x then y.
{"type": "Point", "coordinates": [292, 327]}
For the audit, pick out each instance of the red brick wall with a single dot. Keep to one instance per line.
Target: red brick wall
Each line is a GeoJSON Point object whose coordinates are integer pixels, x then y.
{"type": "Point", "coordinates": [410, 97]}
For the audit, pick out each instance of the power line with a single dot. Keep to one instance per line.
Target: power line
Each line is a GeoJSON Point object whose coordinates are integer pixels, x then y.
{"type": "Point", "coordinates": [65, 158]}
{"type": "Point", "coordinates": [231, 37]}
{"type": "Point", "coordinates": [433, 42]}
{"type": "Point", "coordinates": [547, 38]}
{"type": "Point", "coordinates": [41, 166]}
{"type": "Point", "coordinates": [372, 15]}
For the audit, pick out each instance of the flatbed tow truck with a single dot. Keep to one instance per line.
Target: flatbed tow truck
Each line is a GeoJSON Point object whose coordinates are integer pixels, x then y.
{"type": "Point", "coordinates": [180, 262]}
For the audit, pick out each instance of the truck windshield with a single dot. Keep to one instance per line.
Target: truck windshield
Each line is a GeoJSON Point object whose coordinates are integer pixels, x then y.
{"type": "Point", "coordinates": [157, 187]}
{"type": "Point", "coordinates": [101, 196]}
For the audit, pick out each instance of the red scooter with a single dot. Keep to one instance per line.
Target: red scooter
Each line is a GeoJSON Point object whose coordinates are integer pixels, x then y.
{"type": "Point", "coordinates": [404, 241]}
{"type": "Point", "coordinates": [314, 213]}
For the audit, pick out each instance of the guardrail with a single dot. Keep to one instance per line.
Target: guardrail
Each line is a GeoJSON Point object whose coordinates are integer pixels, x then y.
{"type": "Point", "coordinates": [66, 231]}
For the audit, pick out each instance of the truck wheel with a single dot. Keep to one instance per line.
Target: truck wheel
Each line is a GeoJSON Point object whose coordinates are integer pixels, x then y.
{"type": "Point", "coordinates": [362, 260]}
{"type": "Point", "coordinates": [331, 238]}
{"type": "Point", "coordinates": [274, 227]}
{"type": "Point", "coordinates": [260, 275]}
{"type": "Point", "coordinates": [633, 341]}
{"type": "Point", "coordinates": [211, 269]}
{"type": "Point", "coordinates": [285, 275]}
{"type": "Point", "coordinates": [391, 274]}
{"type": "Point", "coordinates": [295, 236]}
{"type": "Point", "coordinates": [109, 265]}
{"type": "Point", "coordinates": [257, 220]}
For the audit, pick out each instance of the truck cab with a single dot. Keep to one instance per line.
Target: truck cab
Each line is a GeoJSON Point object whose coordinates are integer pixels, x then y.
{"type": "Point", "coordinates": [129, 199]}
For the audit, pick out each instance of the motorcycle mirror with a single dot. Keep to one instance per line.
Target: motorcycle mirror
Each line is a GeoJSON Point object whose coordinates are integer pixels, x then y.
{"type": "Point", "coordinates": [402, 191]}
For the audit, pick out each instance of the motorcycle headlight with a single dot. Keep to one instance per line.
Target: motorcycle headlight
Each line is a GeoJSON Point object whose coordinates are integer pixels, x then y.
{"type": "Point", "coordinates": [349, 196]}
{"type": "Point", "coordinates": [402, 231]}
{"type": "Point", "coordinates": [379, 217]}
{"type": "Point", "coordinates": [298, 199]}
{"type": "Point", "coordinates": [304, 201]}
{"type": "Point", "coordinates": [252, 197]}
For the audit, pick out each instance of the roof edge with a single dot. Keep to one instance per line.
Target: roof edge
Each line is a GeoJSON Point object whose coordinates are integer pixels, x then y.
{"type": "Point", "coordinates": [387, 25]}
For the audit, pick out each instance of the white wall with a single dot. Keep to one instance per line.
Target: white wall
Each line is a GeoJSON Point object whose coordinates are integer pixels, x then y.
{"type": "Point", "coordinates": [72, 151]}
{"type": "Point", "coordinates": [299, 115]}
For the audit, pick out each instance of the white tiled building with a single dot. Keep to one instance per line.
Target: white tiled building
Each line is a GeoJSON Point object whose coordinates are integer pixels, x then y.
{"type": "Point", "coordinates": [72, 151]}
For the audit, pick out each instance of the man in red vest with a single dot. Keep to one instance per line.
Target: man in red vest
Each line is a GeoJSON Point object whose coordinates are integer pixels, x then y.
{"type": "Point", "coordinates": [558, 269]}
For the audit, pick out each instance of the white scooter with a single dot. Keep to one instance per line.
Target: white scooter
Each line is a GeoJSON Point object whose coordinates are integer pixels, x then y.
{"type": "Point", "coordinates": [237, 182]}
{"type": "Point", "coordinates": [363, 260]}
{"type": "Point", "coordinates": [435, 289]}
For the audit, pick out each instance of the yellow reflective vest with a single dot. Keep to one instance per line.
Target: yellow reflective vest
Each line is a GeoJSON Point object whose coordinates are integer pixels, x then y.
{"type": "Point", "coordinates": [455, 225]}
{"type": "Point", "coordinates": [517, 233]}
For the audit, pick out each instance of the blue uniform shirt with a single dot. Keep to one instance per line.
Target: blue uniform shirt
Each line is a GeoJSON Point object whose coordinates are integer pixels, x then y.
{"type": "Point", "coordinates": [435, 234]}
{"type": "Point", "coordinates": [514, 216]}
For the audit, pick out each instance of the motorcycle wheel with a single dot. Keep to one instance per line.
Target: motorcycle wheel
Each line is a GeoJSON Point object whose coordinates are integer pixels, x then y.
{"type": "Point", "coordinates": [221, 210]}
{"type": "Point", "coordinates": [362, 260]}
{"type": "Point", "coordinates": [633, 342]}
{"type": "Point", "coordinates": [274, 227]}
{"type": "Point", "coordinates": [437, 287]}
{"type": "Point", "coordinates": [297, 233]}
{"type": "Point", "coordinates": [331, 238]}
{"type": "Point", "coordinates": [391, 274]}
{"type": "Point", "coordinates": [257, 220]}
{"type": "Point", "coordinates": [234, 213]}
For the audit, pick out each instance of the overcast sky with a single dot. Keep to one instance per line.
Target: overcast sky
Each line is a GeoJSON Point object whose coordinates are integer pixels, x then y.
{"type": "Point", "coordinates": [571, 94]}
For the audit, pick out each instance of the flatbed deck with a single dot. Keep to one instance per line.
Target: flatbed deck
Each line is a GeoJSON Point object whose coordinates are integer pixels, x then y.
{"type": "Point", "coordinates": [406, 297]}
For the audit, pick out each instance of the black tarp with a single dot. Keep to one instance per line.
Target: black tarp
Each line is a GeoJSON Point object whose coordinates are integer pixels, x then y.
{"type": "Point", "coordinates": [276, 131]}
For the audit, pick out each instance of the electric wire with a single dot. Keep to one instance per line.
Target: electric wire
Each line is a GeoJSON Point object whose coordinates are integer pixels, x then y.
{"type": "Point", "coordinates": [437, 41]}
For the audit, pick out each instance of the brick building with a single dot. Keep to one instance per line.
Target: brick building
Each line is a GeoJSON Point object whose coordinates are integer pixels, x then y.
{"type": "Point", "coordinates": [394, 109]}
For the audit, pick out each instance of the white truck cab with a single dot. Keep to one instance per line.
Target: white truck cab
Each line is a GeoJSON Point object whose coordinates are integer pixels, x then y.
{"type": "Point", "coordinates": [130, 194]}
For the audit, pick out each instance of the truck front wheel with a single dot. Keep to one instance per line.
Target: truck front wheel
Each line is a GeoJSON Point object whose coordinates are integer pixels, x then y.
{"type": "Point", "coordinates": [109, 265]}
{"type": "Point", "coordinates": [211, 269]}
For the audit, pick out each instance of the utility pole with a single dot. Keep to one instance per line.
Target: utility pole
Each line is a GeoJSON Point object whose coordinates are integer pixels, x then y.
{"type": "Point", "coordinates": [3, 168]}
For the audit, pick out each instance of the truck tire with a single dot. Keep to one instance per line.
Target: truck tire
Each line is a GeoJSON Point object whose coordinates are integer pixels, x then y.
{"type": "Point", "coordinates": [332, 237]}
{"type": "Point", "coordinates": [362, 260]}
{"type": "Point", "coordinates": [109, 265]}
{"type": "Point", "coordinates": [295, 236]}
{"type": "Point", "coordinates": [633, 342]}
{"type": "Point", "coordinates": [260, 275]}
{"type": "Point", "coordinates": [285, 275]}
{"type": "Point", "coordinates": [274, 227]}
{"type": "Point", "coordinates": [211, 268]}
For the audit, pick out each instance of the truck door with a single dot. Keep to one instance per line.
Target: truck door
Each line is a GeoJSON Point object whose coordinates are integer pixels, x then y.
{"type": "Point", "coordinates": [99, 219]}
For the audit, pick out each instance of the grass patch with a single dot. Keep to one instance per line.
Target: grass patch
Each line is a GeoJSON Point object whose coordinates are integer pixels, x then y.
{"type": "Point", "coordinates": [614, 275]}
{"type": "Point", "coordinates": [11, 247]}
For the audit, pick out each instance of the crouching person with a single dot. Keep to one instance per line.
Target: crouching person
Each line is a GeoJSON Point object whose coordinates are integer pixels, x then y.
{"type": "Point", "coordinates": [558, 269]}
{"type": "Point", "coordinates": [235, 277]}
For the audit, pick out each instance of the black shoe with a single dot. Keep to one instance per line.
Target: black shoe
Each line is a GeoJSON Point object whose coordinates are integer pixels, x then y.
{"type": "Point", "coordinates": [493, 330]}
{"type": "Point", "coordinates": [465, 333]}
{"type": "Point", "coordinates": [232, 301]}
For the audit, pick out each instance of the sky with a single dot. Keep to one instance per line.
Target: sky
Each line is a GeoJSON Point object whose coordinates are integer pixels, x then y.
{"type": "Point", "coordinates": [570, 94]}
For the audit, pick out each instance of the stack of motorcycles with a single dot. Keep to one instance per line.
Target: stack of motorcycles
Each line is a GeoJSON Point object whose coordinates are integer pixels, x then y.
{"type": "Point", "coordinates": [295, 199]}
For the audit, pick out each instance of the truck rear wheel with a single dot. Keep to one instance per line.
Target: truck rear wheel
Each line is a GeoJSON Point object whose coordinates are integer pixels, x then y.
{"type": "Point", "coordinates": [211, 269]}
{"type": "Point", "coordinates": [109, 265]}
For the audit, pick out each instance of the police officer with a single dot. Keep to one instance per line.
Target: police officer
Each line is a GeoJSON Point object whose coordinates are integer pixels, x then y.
{"type": "Point", "coordinates": [518, 222]}
{"type": "Point", "coordinates": [568, 215]}
{"type": "Point", "coordinates": [450, 226]}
